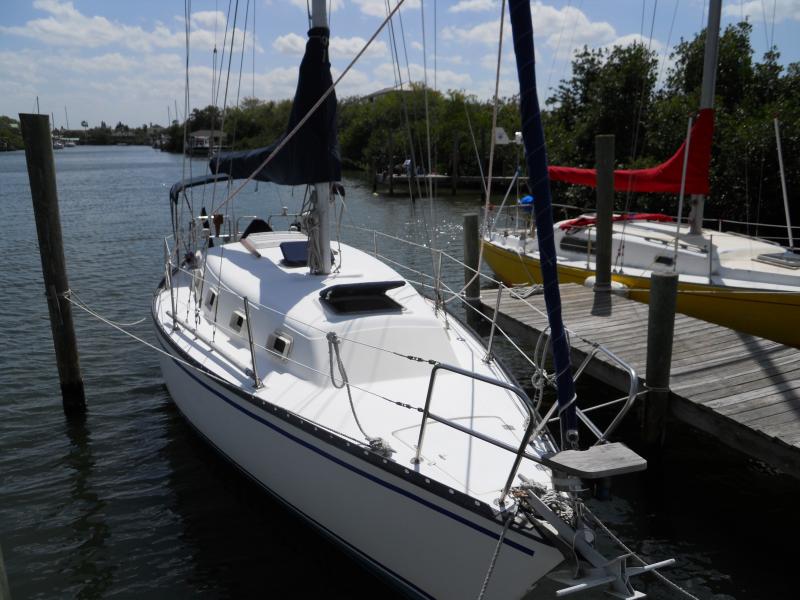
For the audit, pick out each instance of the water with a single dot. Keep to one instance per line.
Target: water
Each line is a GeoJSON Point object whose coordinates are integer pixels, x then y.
{"type": "Point", "coordinates": [132, 504]}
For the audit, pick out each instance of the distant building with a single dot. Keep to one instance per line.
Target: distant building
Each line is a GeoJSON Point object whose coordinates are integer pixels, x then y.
{"type": "Point", "coordinates": [205, 141]}
{"type": "Point", "coordinates": [389, 90]}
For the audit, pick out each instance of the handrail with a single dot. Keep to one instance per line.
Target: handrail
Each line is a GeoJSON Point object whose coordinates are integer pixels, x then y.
{"type": "Point", "coordinates": [540, 352]}
{"type": "Point", "coordinates": [520, 452]}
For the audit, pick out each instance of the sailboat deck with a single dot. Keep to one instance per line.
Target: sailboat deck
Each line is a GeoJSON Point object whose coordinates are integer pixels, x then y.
{"type": "Point", "coordinates": [387, 389]}
{"type": "Point", "coordinates": [742, 389]}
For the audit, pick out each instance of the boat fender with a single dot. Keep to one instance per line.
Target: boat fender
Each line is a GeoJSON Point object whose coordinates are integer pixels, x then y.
{"type": "Point", "coordinates": [217, 219]}
{"type": "Point", "coordinates": [617, 287]}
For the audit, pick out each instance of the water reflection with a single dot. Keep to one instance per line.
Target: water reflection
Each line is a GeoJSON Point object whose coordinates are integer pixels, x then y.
{"type": "Point", "coordinates": [86, 566]}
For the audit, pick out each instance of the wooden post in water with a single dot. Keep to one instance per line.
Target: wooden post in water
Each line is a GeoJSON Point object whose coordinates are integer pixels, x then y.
{"type": "Point", "coordinates": [42, 175]}
{"type": "Point", "coordinates": [660, 329]}
{"type": "Point", "coordinates": [5, 592]}
{"type": "Point", "coordinates": [604, 151]}
{"type": "Point", "coordinates": [454, 173]}
{"type": "Point", "coordinates": [391, 163]}
{"type": "Point", "coordinates": [472, 293]}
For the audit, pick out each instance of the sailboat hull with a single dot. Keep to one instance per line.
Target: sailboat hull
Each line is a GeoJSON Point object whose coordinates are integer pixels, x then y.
{"type": "Point", "coordinates": [768, 314]}
{"type": "Point", "coordinates": [426, 544]}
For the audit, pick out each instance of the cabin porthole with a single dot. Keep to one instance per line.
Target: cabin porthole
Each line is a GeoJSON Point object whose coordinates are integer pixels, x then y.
{"type": "Point", "coordinates": [211, 298]}
{"type": "Point", "coordinates": [279, 344]}
{"type": "Point", "coordinates": [237, 320]}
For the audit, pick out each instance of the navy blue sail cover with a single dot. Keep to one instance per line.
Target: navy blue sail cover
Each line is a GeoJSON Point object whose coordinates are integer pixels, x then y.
{"type": "Point", "coordinates": [536, 159]}
{"type": "Point", "coordinates": [312, 155]}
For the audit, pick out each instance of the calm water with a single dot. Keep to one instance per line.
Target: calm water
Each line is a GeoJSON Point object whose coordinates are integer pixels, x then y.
{"type": "Point", "coordinates": [131, 503]}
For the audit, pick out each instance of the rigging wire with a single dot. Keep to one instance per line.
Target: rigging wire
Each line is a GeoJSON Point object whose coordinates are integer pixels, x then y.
{"type": "Point", "coordinates": [187, 13]}
{"type": "Point", "coordinates": [411, 85]}
{"type": "Point", "coordinates": [224, 103]}
{"type": "Point", "coordinates": [311, 110]}
{"type": "Point", "coordinates": [427, 172]}
{"type": "Point", "coordinates": [399, 81]}
{"type": "Point", "coordinates": [620, 256]}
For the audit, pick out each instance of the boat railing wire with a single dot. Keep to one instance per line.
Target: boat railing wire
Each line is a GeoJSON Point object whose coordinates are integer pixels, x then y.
{"type": "Point", "coordinates": [436, 289]}
{"type": "Point", "coordinates": [516, 218]}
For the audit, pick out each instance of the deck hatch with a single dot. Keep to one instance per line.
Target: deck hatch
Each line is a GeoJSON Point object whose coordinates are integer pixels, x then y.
{"type": "Point", "coordinates": [295, 254]}
{"type": "Point", "coordinates": [788, 259]}
{"type": "Point", "coordinates": [361, 297]}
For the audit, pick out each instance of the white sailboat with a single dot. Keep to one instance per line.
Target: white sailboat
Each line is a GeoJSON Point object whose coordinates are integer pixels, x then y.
{"type": "Point", "coordinates": [359, 404]}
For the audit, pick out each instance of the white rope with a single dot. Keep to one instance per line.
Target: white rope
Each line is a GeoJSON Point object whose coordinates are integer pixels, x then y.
{"type": "Point", "coordinates": [663, 578]}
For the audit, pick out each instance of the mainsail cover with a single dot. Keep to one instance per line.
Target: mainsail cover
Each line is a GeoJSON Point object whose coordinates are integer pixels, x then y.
{"type": "Point", "coordinates": [312, 155]}
{"type": "Point", "coordinates": [665, 177]}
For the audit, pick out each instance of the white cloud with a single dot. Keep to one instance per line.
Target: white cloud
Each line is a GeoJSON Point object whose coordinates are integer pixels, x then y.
{"type": "Point", "coordinates": [66, 26]}
{"type": "Point", "coordinates": [209, 19]}
{"type": "Point", "coordinates": [445, 78]}
{"type": "Point", "coordinates": [291, 43]}
{"type": "Point", "coordinates": [340, 47]}
{"type": "Point", "coordinates": [348, 47]}
{"type": "Point", "coordinates": [550, 24]}
{"type": "Point", "coordinates": [635, 38]}
{"type": "Point", "coordinates": [757, 10]}
{"type": "Point", "coordinates": [473, 6]}
{"type": "Point", "coordinates": [377, 8]}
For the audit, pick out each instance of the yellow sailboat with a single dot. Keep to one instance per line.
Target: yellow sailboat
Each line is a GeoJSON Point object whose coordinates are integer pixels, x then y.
{"type": "Point", "coordinates": [737, 281]}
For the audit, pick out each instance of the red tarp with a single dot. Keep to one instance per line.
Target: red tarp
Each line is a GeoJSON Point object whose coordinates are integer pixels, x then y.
{"type": "Point", "coordinates": [665, 177]}
{"type": "Point", "coordinates": [587, 221]}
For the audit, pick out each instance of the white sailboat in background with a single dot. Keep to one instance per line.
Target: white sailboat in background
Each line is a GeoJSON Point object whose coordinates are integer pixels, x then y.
{"type": "Point", "coordinates": [724, 277]}
{"type": "Point", "coordinates": [361, 405]}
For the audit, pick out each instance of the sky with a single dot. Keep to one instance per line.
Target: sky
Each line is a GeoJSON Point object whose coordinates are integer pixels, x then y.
{"type": "Point", "coordinates": [116, 60]}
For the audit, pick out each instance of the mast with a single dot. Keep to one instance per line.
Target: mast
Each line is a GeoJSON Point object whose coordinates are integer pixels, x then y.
{"type": "Point", "coordinates": [536, 159]}
{"type": "Point", "coordinates": [707, 96]}
{"type": "Point", "coordinates": [320, 233]}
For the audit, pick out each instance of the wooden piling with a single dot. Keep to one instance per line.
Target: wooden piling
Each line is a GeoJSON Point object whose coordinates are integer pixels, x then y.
{"type": "Point", "coordinates": [42, 175]}
{"type": "Point", "coordinates": [455, 161]}
{"type": "Point", "coordinates": [604, 156]}
{"type": "Point", "coordinates": [660, 330]}
{"type": "Point", "coordinates": [391, 164]}
{"type": "Point", "coordinates": [471, 255]}
{"type": "Point", "coordinates": [5, 592]}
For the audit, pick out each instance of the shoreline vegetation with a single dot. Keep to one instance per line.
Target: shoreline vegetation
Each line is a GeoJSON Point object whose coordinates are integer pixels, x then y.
{"type": "Point", "coordinates": [625, 91]}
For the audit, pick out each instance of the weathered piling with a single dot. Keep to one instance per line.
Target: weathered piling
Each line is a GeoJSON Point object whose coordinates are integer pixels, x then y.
{"type": "Point", "coordinates": [472, 292]}
{"type": "Point", "coordinates": [5, 593]}
{"type": "Point", "coordinates": [391, 164]}
{"type": "Point", "coordinates": [454, 164]}
{"type": "Point", "coordinates": [660, 330]}
{"type": "Point", "coordinates": [42, 175]}
{"type": "Point", "coordinates": [604, 150]}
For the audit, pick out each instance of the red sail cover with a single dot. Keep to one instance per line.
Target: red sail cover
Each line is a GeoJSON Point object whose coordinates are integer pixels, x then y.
{"type": "Point", "coordinates": [665, 177]}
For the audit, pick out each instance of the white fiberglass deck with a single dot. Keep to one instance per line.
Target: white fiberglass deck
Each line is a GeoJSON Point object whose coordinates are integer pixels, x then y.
{"type": "Point", "coordinates": [285, 301]}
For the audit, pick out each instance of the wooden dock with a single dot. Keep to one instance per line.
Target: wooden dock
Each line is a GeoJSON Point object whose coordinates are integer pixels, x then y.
{"type": "Point", "coordinates": [742, 389]}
